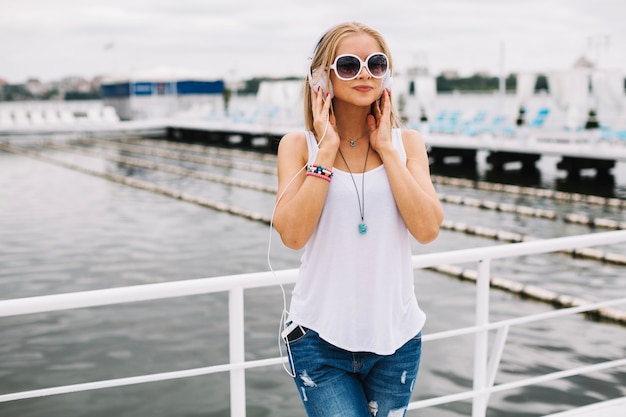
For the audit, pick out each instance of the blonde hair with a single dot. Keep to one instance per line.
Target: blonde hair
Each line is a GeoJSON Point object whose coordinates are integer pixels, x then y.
{"type": "Point", "coordinates": [323, 57]}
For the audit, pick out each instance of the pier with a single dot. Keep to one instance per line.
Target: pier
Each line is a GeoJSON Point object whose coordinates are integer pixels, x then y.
{"type": "Point", "coordinates": [582, 152]}
{"type": "Point", "coordinates": [244, 136]}
{"type": "Point", "coordinates": [579, 151]}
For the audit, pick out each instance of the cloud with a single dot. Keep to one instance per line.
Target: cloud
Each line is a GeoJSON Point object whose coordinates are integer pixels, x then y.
{"type": "Point", "coordinates": [247, 37]}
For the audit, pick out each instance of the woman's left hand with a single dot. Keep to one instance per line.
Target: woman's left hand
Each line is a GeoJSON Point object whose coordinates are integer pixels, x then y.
{"type": "Point", "coordinates": [380, 123]}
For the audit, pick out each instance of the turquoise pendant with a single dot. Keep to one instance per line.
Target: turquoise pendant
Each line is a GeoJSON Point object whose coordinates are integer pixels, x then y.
{"type": "Point", "coordinates": [352, 143]}
{"type": "Point", "coordinates": [362, 228]}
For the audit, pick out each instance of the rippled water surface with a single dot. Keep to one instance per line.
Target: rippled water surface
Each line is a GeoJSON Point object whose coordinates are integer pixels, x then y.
{"type": "Point", "coordinates": [64, 231]}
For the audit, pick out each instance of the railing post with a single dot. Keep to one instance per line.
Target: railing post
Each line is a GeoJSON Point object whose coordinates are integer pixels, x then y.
{"type": "Point", "coordinates": [479, 404]}
{"type": "Point", "coordinates": [236, 336]}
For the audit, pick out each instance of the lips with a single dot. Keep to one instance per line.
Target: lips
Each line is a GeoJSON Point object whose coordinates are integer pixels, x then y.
{"type": "Point", "coordinates": [363, 88]}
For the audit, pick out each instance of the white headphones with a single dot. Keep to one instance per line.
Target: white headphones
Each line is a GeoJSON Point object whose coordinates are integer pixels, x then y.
{"type": "Point", "coordinates": [320, 81]}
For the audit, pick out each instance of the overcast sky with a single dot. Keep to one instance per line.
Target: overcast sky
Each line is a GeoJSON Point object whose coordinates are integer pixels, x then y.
{"type": "Point", "coordinates": [236, 39]}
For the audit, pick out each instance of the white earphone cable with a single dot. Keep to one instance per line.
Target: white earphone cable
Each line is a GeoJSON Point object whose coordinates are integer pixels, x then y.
{"type": "Point", "coordinates": [285, 313]}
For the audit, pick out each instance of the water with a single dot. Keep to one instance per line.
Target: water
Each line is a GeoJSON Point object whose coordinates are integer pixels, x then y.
{"type": "Point", "coordinates": [63, 231]}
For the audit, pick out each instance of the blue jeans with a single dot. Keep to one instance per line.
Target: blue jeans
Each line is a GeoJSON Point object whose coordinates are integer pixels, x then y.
{"type": "Point", "coordinates": [337, 383]}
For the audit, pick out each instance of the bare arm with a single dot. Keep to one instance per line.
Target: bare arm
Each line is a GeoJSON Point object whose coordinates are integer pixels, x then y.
{"type": "Point", "coordinates": [301, 198]}
{"type": "Point", "coordinates": [411, 185]}
{"type": "Point", "coordinates": [412, 188]}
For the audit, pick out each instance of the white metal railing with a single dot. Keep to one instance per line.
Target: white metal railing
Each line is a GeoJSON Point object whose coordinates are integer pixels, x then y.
{"type": "Point", "coordinates": [484, 370]}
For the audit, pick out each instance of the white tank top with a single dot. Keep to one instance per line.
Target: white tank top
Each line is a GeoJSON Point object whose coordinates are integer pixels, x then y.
{"type": "Point", "coordinates": [356, 290]}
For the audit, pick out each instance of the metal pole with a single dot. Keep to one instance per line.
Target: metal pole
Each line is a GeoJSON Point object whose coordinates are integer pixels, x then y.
{"type": "Point", "coordinates": [479, 403]}
{"type": "Point", "coordinates": [237, 352]}
{"type": "Point", "coordinates": [501, 92]}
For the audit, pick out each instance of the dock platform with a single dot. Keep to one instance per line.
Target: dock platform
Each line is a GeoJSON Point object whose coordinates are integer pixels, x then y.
{"type": "Point", "coordinates": [581, 152]}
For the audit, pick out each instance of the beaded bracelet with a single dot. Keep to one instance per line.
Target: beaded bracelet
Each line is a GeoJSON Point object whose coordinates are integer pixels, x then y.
{"type": "Point", "coordinates": [320, 172]}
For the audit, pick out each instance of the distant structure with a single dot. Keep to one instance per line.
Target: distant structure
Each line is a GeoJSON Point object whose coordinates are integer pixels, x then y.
{"type": "Point", "coordinates": [450, 74]}
{"type": "Point", "coordinates": [162, 93]}
{"type": "Point", "coordinates": [584, 62]}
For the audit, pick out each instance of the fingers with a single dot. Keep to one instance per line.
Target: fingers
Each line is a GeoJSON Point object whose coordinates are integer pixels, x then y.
{"type": "Point", "coordinates": [379, 122]}
{"type": "Point", "coordinates": [386, 105]}
{"type": "Point", "coordinates": [371, 122]}
{"type": "Point", "coordinates": [382, 108]}
{"type": "Point", "coordinates": [320, 104]}
{"type": "Point", "coordinates": [317, 105]}
{"type": "Point", "coordinates": [326, 101]}
{"type": "Point", "coordinates": [377, 112]}
{"type": "Point", "coordinates": [323, 120]}
{"type": "Point", "coordinates": [319, 96]}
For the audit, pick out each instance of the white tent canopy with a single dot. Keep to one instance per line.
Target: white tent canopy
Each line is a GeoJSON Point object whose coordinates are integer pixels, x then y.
{"type": "Point", "coordinates": [570, 91]}
{"type": "Point", "coordinates": [525, 88]}
{"type": "Point", "coordinates": [426, 91]}
{"type": "Point", "coordinates": [280, 102]}
{"type": "Point", "coordinates": [608, 88]}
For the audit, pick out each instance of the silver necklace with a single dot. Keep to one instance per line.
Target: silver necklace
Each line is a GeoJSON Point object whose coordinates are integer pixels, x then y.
{"type": "Point", "coordinates": [362, 225]}
{"type": "Point", "coordinates": [354, 141]}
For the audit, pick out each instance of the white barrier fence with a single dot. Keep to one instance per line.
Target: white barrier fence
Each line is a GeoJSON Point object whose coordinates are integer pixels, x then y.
{"type": "Point", "coordinates": [484, 369]}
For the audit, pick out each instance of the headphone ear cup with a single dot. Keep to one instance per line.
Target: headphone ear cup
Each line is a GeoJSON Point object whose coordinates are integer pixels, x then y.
{"type": "Point", "coordinates": [387, 83]}
{"type": "Point", "coordinates": [320, 82]}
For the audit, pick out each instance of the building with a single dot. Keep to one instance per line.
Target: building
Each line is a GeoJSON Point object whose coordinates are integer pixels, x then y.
{"type": "Point", "coordinates": [450, 74]}
{"type": "Point", "coordinates": [163, 92]}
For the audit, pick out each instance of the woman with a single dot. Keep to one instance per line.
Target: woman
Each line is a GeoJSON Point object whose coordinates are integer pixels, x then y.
{"type": "Point", "coordinates": [351, 190]}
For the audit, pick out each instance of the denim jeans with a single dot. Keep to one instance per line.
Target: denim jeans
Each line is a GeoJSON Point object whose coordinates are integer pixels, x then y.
{"type": "Point", "coordinates": [337, 383]}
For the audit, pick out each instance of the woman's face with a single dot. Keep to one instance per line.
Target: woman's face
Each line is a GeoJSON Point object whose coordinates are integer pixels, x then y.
{"type": "Point", "coordinates": [364, 89]}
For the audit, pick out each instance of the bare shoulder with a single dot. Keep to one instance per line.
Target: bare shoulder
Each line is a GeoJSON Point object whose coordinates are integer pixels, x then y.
{"type": "Point", "coordinates": [292, 145]}
{"type": "Point", "coordinates": [414, 145]}
{"type": "Point", "coordinates": [293, 136]}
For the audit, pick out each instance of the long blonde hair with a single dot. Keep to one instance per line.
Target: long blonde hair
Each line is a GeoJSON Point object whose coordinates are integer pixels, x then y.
{"type": "Point", "coordinates": [323, 57]}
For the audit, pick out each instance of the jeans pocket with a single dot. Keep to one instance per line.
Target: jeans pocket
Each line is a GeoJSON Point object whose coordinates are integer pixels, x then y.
{"type": "Point", "coordinates": [296, 335]}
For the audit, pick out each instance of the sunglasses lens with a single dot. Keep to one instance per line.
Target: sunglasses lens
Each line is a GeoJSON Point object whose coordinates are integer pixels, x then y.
{"type": "Point", "coordinates": [377, 65]}
{"type": "Point", "coordinates": [348, 66]}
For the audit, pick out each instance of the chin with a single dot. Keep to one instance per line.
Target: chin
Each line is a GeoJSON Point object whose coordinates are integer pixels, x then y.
{"type": "Point", "coordinates": [365, 100]}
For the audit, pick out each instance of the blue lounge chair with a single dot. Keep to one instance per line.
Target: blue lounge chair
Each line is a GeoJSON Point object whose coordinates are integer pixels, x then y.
{"type": "Point", "coordinates": [540, 118]}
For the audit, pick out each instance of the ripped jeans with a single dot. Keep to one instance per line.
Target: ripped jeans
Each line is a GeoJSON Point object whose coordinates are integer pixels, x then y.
{"type": "Point", "coordinates": [333, 382]}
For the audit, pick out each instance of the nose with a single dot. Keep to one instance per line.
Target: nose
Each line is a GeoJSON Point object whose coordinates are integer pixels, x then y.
{"type": "Point", "coordinates": [364, 73]}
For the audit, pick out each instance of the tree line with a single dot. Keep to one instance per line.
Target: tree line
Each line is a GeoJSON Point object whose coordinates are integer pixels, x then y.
{"type": "Point", "coordinates": [474, 83]}
{"type": "Point", "coordinates": [479, 83]}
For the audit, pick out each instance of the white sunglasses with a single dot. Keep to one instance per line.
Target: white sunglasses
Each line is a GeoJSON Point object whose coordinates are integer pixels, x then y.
{"type": "Point", "coordinates": [347, 66]}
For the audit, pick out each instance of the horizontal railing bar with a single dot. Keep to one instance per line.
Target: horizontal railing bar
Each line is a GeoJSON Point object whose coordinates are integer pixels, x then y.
{"type": "Point", "coordinates": [559, 375]}
{"type": "Point", "coordinates": [262, 279]}
{"type": "Point", "coordinates": [146, 292]}
{"type": "Point", "coordinates": [275, 361]}
{"type": "Point", "coordinates": [163, 290]}
{"type": "Point", "coordinates": [525, 319]}
{"type": "Point", "coordinates": [510, 250]}
{"type": "Point", "coordinates": [140, 379]}
{"type": "Point", "coordinates": [466, 395]}
{"type": "Point", "coordinates": [112, 383]}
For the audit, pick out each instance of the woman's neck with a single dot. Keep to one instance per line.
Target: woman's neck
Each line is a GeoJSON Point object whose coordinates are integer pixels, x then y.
{"type": "Point", "coordinates": [351, 121]}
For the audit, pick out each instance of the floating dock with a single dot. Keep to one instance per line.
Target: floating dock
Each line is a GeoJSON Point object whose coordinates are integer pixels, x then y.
{"type": "Point", "coordinates": [579, 151]}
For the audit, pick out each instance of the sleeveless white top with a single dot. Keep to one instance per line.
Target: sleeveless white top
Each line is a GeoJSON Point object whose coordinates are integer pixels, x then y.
{"type": "Point", "coordinates": [356, 290]}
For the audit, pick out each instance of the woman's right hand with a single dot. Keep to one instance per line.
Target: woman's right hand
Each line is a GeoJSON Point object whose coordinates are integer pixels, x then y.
{"type": "Point", "coordinates": [324, 121]}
